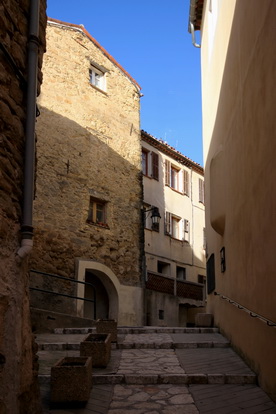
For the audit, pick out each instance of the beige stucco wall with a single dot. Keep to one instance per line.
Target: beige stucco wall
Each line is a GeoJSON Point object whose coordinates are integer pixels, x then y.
{"type": "Point", "coordinates": [159, 246]}
{"type": "Point", "coordinates": [19, 389]}
{"type": "Point", "coordinates": [238, 93]}
{"type": "Point", "coordinates": [88, 145]}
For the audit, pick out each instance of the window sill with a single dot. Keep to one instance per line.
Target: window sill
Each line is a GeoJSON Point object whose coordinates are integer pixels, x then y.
{"type": "Point", "coordinates": [98, 89]}
{"type": "Point", "coordinates": [177, 191]}
{"type": "Point", "coordinates": [178, 240]}
{"type": "Point", "coordinates": [102, 225]}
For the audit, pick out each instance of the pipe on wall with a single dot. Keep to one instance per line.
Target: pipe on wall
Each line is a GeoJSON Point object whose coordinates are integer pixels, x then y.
{"type": "Point", "coordinates": [29, 167]}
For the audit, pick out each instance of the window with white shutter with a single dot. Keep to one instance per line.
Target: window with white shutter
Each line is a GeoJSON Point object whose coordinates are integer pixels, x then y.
{"type": "Point", "coordinates": [201, 190]}
{"type": "Point", "coordinates": [186, 183]}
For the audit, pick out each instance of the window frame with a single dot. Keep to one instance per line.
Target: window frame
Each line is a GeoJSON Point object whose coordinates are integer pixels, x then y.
{"type": "Point", "coordinates": [92, 217]}
{"type": "Point", "coordinates": [93, 73]}
{"type": "Point", "coordinates": [145, 153]}
{"type": "Point", "coordinates": [184, 275]}
{"type": "Point", "coordinates": [155, 165]}
{"type": "Point", "coordinates": [178, 179]}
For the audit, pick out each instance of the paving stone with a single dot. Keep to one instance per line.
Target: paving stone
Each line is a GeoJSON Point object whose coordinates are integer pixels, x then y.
{"type": "Point", "coordinates": [200, 376]}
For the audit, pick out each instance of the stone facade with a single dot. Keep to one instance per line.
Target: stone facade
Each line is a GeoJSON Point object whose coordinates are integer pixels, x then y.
{"type": "Point", "coordinates": [18, 368]}
{"type": "Point", "coordinates": [88, 151]}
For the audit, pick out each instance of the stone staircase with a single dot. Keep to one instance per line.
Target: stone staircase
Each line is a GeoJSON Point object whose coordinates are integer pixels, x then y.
{"type": "Point", "coordinates": [159, 370]}
{"type": "Point", "coordinates": [153, 355]}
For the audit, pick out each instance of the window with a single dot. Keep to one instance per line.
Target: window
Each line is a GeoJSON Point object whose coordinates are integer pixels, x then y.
{"type": "Point", "coordinates": [201, 279]}
{"type": "Point", "coordinates": [97, 78]}
{"type": "Point", "coordinates": [174, 178]}
{"type": "Point", "coordinates": [145, 162]}
{"type": "Point", "coordinates": [177, 178]}
{"type": "Point", "coordinates": [150, 164]}
{"type": "Point", "coordinates": [176, 227]}
{"type": "Point", "coordinates": [97, 212]}
{"type": "Point", "coordinates": [180, 273]}
{"type": "Point", "coordinates": [164, 268]}
{"type": "Point", "coordinates": [155, 165]}
{"type": "Point", "coordinates": [161, 314]}
{"type": "Point", "coordinates": [211, 277]}
{"type": "Point", "coordinates": [201, 190]}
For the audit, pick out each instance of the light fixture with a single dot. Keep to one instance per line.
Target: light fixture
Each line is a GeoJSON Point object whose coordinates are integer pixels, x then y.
{"type": "Point", "coordinates": [155, 215]}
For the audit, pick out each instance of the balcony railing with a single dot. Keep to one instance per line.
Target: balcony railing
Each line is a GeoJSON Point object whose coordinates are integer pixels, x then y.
{"type": "Point", "coordinates": [171, 286]}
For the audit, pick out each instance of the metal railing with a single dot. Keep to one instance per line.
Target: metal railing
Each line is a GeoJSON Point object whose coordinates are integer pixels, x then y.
{"type": "Point", "coordinates": [32, 271]}
{"type": "Point", "coordinates": [251, 313]}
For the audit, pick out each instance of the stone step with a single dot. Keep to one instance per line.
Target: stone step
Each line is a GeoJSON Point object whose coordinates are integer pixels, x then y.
{"type": "Point", "coordinates": [59, 342]}
{"type": "Point", "coordinates": [167, 379]}
{"type": "Point", "coordinates": [139, 330]}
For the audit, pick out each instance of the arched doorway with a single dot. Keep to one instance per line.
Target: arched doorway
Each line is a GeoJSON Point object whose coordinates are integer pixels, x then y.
{"type": "Point", "coordinates": [99, 294]}
{"type": "Point", "coordinates": [106, 288]}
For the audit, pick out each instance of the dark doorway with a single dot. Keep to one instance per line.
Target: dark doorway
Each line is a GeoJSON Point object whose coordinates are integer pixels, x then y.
{"type": "Point", "coordinates": [102, 300]}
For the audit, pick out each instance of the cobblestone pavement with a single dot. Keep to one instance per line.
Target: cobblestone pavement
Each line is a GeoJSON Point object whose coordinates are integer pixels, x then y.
{"type": "Point", "coordinates": [153, 361]}
{"type": "Point", "coordinates": [152, 373]}
{"type": "Point", "coordinates": [152, 399]}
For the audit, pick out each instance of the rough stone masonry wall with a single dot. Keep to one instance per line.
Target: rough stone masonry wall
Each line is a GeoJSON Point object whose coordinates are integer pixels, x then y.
{"type": "Point", "coordinates": [88, 145]}
{"type": "Point", "coordinates": [19, 392]}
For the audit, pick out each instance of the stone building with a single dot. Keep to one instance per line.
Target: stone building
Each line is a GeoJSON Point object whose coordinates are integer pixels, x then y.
{"type": "Point", "coordinates": [87, 210]}
{"type": "Point", "coordinates": [175, 244]}
{"type": "Point", "coordinates": [238, 95]}
{"type": "Point", "coordinates": [22, 40]}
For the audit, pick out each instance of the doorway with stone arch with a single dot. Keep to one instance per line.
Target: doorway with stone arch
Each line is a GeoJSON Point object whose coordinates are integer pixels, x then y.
{"type": "Point", "coordinates": [106, 289]}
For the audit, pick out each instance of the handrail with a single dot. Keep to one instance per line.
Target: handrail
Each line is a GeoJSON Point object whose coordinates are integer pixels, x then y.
{"type": "Point", "coordinates": [64, 294]}
{"type": "Point", "coordinates": [251, 313]}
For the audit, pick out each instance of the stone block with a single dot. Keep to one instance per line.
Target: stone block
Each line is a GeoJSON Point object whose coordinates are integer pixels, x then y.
{"type": "Point", "coordinates": [204, 319]}
{"type": "Point", "coordinates": [141, 379]}
{"type": "Point", "coordinates": [107, 326]}
{"type": "Point", "coordinates": [71, 380]}
{"type": "Point", "coordinates": [216, 379]}
{"type": "Point", "coordinates": [108, 379]}
{"type": "Point", "coordinates": [97, 346]}
{"type": "Point", "coordinates": [197, 379]}
{"type": "Point", "coordinates": [173, 379]}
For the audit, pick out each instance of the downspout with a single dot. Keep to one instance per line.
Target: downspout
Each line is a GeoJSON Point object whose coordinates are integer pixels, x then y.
{"type": "Point", "coordinates": [29, 167]}
{"type": "Point", "coordinates": [191, 27]}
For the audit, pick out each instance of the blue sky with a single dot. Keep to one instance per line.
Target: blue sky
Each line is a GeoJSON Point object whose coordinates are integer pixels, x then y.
{"type": "Point", "coordinates": [150, 39]}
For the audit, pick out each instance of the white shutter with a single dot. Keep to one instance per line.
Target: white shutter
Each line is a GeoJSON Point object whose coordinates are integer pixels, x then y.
{"type": "Point", "coordinates": [168, 223]}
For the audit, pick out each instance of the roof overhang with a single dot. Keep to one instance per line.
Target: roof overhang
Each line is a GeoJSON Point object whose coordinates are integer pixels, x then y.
{"type": "Point", "coordinates": [195, 15]}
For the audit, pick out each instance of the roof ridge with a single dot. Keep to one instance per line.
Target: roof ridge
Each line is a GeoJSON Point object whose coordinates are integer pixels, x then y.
{"type": "Point", "coordinates": [161, 141]}
{"type": "Point", "coordinates": [111, 58]}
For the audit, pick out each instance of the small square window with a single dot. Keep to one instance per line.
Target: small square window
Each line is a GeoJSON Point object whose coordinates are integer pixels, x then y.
{"type": "Point", "coordinates": [180, 273]}
{"type": "Point", "coordinates": [97, 212]}
{"type": "Point", "coordinates": [163, 268]}
{"type": "Point", "coordinates": [97, 78]}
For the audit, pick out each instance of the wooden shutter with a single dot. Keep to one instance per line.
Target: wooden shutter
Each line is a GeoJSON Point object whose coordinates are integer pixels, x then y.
{"type": "Point", "coordinates": [186, 230]}
{"type": "Point", "coordinates": [167, 172]}
{"type": "Point", "coordinates": [155, 165]}
{"type": "Point", "coordinates": [201, 190]}
{"type": "Point", "coordinates": [186, 182]}
{"type": "Point", "coordinates": [167, 223]}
